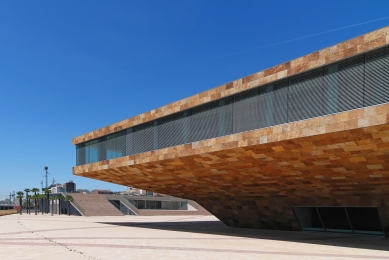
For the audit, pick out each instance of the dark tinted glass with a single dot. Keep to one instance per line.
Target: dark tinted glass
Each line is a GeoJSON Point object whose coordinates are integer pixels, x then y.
{"type": "Point", "coordinates": [349, 84]}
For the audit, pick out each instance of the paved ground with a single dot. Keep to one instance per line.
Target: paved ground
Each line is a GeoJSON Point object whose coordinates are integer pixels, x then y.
{"type": "Point", "coordinates": [170, 237]}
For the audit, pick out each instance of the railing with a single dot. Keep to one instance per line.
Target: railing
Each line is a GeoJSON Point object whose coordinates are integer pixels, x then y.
{"type": "Point", "coordinates": [123, 201]}
{"type": "Point", "coordinates": [126, 209]}
{"type": "Point", "coordinates": [113, 202]}
{"type": "Point", "coordinates": [156, 198]}
{"type": "Point", "coordinates": [75, 204]}
{"type": "Point", "coordinates": [193, 204]}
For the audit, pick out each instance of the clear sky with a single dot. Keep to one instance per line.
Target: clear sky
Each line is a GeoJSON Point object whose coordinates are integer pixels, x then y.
{"type": "Point", "coordinates": [70, 67]}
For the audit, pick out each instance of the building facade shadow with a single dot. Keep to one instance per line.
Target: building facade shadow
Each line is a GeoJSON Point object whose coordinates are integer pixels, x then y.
{"type": "Point", "coordinates": [218, 228]}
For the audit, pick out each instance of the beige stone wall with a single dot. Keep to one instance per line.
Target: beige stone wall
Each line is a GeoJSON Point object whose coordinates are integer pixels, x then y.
{"type": "Point", "coordinates": [8, 212]}
{"type": "Point", "coordinates": [354, 119]}
{"type": "Point", "coordinates": [253, 179]}
{"type": "Point", "coordinates": [313, 60]}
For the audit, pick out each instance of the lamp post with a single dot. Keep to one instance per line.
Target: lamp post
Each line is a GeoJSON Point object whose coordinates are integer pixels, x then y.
{"type": "Point", "coordinates": [46, 175]}
{"type": "Point", "coordinates": [47, 194]}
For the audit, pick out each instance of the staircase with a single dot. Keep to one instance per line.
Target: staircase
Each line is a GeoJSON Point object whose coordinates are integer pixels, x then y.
{"type": "Point", "coordinates": [125, 202]}
{"type": "Point", "coordinates": [95, 205]}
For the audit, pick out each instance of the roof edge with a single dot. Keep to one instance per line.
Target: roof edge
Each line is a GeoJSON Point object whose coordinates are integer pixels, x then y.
{"type": "Point", "coordinates": [328, 55]}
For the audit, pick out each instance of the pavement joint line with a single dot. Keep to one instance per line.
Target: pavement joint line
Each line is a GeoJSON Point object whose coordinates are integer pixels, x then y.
{"type": "Point", "coordinates": [48, 230]}
{"type": "Point", "coordinates": [51, 241]}
{"type": "Point", "coordinates": [135, 238]}
{"type": "Point", "coordinates": [193, 249]}
{"type": "Point", "coordinates": [151, 238]}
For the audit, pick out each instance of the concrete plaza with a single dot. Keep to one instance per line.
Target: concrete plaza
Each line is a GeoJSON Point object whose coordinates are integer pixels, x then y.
{"type": "Point", "coordinates": [170, 237]}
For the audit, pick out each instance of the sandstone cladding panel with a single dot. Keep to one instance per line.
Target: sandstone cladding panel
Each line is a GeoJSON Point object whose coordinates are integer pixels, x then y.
{"type": "Point", "coordinates": [323, 57]}
{"type": "Point", "coordinates": [252, 179]}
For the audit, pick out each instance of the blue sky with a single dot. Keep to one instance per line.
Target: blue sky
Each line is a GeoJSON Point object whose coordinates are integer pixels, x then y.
{"type": "Point", "coordinates": [70, 67]}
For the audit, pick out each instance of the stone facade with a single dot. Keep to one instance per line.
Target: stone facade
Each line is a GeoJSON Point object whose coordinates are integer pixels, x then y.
{"type": "Point", "coordinates": [254, 178]}
{"type": "Point", "coordinates": [316, 59]}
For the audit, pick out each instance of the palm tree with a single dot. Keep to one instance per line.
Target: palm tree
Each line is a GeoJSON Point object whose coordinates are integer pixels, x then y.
{"type": "Point", "coordinates": [47, 192]}
{"type": "Point", "coordinates": [42, 197]}
{"type": "Point", "coordinates": [27, 191]}
{"type": "Point", "coordinates": [28, 197]}
{"type": "Point", "coordinates": [69, 199]}
{"type": "Point", "coordinates": [20, 197]}
{"type": "Point", "coordinates": [35, 197]}
{"type": "Point", "coordinates": [59, 198]}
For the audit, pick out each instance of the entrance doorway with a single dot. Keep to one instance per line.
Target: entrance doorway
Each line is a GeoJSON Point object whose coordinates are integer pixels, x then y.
{"type": "Point", "coordinates": [353, 220]}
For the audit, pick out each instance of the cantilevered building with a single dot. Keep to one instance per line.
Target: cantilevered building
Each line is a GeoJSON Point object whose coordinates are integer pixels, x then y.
{"type": "Point", "coordinates": [302, 145]}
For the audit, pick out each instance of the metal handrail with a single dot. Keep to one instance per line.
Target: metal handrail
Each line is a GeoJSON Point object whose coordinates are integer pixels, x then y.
{"type": "Point", "coordinates": [130, 207]}
{"type": "Point", "coordinates": [193, 204]}
{"type": "Point", "coordinates": [124, 202]}
{"type": "Point", "coordinates": [115, 204]}
{"type": "Point", "coordinates": [75, 204]}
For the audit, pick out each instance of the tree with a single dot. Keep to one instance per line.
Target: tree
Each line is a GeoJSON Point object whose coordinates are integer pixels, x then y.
{"type": "Point", "coordinates": [28, 197]}
{"type": "Point", "coordinates": [69, 199]}
{"type": "Point", "coordinates": [35, 197]}
{"type": "Point", "coordinates": [27, 191]}
{"type": "Point", "coordinates": [42, 197]}
{"type": "Point", "coordinates": [47, 193]}
{"type": "Point", "coordinates": [20, 197]}
{"type": "Point", "coordinates": [59, 198]}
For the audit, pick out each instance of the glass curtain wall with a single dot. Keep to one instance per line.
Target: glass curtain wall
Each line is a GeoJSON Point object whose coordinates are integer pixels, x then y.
{"type": "Point", "coordinates": [165, 205]}
{"type": "Point", "coordinates": [349, 84]}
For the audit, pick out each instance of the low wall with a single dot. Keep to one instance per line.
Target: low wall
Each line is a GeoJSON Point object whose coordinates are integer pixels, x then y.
{"type": "Point", "coordinates": [8, 212]}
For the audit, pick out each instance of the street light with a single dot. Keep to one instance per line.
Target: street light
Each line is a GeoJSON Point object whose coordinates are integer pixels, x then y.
{"type": "Point", "coordinates": [46, 175]}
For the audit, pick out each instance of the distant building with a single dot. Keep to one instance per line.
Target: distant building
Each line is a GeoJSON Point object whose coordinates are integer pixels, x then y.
{"type": "Point", "coordinates": [56, 188]}
{"type": "Point", "coordinates": [130, 190]}
{"type": "Point", "coordinates": [136, 191]}
{"type": "Point", "coordinates": [69, 186]}
{"type": "Point", "coordinates": [96, 191]}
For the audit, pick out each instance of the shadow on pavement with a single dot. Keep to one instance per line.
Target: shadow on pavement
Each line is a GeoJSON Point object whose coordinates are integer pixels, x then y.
{"type": "Point", "coordinates": [218, 228]}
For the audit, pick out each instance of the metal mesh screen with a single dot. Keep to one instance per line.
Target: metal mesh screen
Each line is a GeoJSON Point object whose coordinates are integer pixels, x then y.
{"type": "Point", "coordinates": [225, 116]}
{"type": "Point", "coordinates": [377, 77]}
{"type": "Point", "coordinates": [173, 130]}
{"type": "Point", "coordinates": [95, 150]}
{"type": "Point", "coordinates": [115, 145]}
{"type": "Point", "coordinates": [265, 106]}
{"type": "Point", "coordinates": [349, 84]}
{"type": "Point", "coordinates": [351, 80]}
{"type": "Point", "coordinates": [305, 98]}
{"type": "Point", "coordinates": [279, 103]}
{"type": "Point", "coordinates": [246, 111]}
{"type": "Point", "coordinates": [129, 142]}
{"type": "Point", "coordinates": [344, 82]}
{"type": "Point", "coordinates": [202, 122]}
{"type": "Point", "coordinates": [210, 120]}
{"type": "Point", "coordinates": [80, 154]}
{"type": "Point", "coordinates": [144, 138]}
